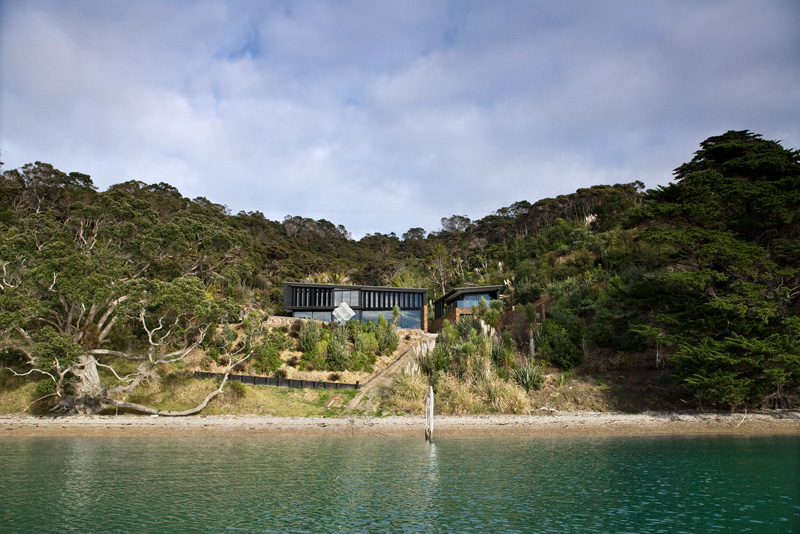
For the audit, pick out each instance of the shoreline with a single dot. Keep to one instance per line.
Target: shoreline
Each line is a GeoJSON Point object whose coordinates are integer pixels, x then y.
{"type": "Point", "coordinates": [574, 424]}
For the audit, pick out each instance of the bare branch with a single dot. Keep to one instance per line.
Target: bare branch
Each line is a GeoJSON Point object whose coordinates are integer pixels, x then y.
{"type": "Point", "coordinates": [191, 411]}
{"type": "Point", "coordinates": [179, 355]}
{"type": "Point", "coordinates": [127, 378]}
{"type": "Point", "coordinates": [105, 329]}
{"type": "Point", "coordinates": [109, 352]}
{"type": "Point", "coordinates": [31, 371]}
{"type": "Point", "coordinates": [41, 398]}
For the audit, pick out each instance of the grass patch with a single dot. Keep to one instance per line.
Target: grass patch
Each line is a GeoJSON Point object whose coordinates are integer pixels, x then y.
{"type": "Point", "coordinates": [17, 393]}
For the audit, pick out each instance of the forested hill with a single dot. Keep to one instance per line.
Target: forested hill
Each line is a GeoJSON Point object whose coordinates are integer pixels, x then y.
{"type": "Point", "coordinates": [704, 273]}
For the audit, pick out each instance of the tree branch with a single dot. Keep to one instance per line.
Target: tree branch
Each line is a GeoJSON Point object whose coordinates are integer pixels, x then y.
{"type": "Point", "coordinates": [109, 352]}
{"type": "Point", "coordinates": [31, 371]}
{"type": "Point", "coordinates": [190, 411]}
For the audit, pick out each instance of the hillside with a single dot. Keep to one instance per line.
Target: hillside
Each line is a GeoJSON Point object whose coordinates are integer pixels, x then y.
{"type": "Point", "coordinates": [688, 293]}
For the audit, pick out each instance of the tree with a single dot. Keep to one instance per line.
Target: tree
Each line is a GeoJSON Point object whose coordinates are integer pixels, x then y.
{"type": "Point", "coordinates": [79, 290]}
{"type": "Point", "coordinates": [456, 223]}
{"type": "Point", "coordinates": [728, 286]}
{"type": "Point", "coordinates": [439, 267]}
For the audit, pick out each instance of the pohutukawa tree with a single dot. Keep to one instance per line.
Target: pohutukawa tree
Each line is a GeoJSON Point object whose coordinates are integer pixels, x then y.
{"type": "Point", "coordinates": [80, 288]}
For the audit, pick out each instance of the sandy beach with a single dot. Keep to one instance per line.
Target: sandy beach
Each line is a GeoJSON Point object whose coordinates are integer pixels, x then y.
{"type": "Point", "coordinates": [537, 424]}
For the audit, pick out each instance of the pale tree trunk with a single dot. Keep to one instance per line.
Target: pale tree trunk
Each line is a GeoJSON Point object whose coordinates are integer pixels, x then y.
{"type": "Point", "coordinates": [90, 379]}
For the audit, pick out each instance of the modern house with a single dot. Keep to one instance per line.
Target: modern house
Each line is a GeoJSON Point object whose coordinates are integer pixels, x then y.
{"type": "Point", "coordinates": [459, 302]}
{"type": "Point", "coordinates": [318, 301]}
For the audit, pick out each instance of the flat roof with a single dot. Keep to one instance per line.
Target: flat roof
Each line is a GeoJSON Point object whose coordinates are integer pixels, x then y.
{"type": "Point", "coordinates": [353, 286]}
{"type": "Point", "coordinates": [457, 292]}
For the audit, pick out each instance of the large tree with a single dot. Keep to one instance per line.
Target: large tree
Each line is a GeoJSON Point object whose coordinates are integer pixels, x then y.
{"type": "Point", "coordinates": [84, 284]}
{"type": "Point", "coordinates": [727, 291]}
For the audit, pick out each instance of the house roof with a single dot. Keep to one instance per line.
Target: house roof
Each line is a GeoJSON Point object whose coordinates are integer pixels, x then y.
{"type": "Point", "coordinates": [352, 286]}
{"type": "Point", "coordinates": [460, 291]}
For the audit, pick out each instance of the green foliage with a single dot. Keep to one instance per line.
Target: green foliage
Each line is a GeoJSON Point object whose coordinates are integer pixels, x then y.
{"type": "Point", "coordinates": [337, 356]}
{"type": "Point", "coordinates": [315, 359]}
{"type": "Point", "coordinates": [720, 292]}
{"type": "Point", "coordinates": [45, 387]}
{"type": "Point", "coordinates": [386, 335]}
{"type": "Point", "coordinates": [265, 359]}
{"type": "Point", "coordinates": [704, 270]}
{"type": "Point", "coordinates": [528, 377]}
{"type": "Point", "coordinates": [558, 346]}
{"type": "Point", "coordinates": [235, 390]}
{"type": "Point", "coordinates": [309, 336]}
{"type": "Point", "coordinates": [52, 348]}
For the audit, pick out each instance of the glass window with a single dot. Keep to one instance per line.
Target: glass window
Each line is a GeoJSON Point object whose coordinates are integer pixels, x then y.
{"type": "Point", "coordinates": [410, 319]}
{"type": "Point", "coordinates": [468, 301]}
{"type": "Point", "coordinates": [318, 315]}
{"type": "Point", "coordinates": [348, 296]}
{"type": "Point", "coordinates": [323, 316]}
{"type": "Point", "coordinates": [372, 315]}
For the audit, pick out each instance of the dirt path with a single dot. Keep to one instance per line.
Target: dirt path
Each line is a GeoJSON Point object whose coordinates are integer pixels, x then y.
{"type": "Point", "coordinates": [380, 382]}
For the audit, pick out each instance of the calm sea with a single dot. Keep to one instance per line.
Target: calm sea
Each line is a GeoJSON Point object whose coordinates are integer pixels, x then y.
{"type": "Point", "coordinates": [586, 485]}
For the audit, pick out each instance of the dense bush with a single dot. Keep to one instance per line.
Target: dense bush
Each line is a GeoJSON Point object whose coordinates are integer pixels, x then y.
{"type": "Point", "coordinates": [309, 336]}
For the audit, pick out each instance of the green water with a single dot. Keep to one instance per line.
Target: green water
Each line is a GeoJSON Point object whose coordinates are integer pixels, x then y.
{"type": "Point", "coordinates": [589, 485]}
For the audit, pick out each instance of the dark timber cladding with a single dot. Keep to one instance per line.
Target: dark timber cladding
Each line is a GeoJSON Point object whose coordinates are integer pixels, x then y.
{"type": "Point", "coordinates": [317, 301]}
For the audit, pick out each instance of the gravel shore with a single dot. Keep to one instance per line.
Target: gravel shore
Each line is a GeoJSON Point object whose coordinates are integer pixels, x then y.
{"type": "Point", "coordinates": [538, 424]}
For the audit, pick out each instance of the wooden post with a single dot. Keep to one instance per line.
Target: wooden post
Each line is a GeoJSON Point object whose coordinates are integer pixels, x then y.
{"type": "Point", "coordinates": [429, 415]}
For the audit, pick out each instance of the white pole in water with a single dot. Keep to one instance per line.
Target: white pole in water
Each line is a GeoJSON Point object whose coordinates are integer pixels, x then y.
{"type": "Point", "coordinates": [429, 416]}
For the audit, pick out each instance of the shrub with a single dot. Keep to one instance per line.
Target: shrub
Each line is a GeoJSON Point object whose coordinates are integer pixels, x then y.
{"type": "Point", "coordinates": [558, 347]}
{"type": "Point", "coordinates": [503, 356]}
{"type": "Point", "coordinates": [315, 359]}
{"type": "Point", "coordinates": [265, 359]}
{"type": "Point", "coordinates": [309, 336]}
{"type": "Point", "coordinates": [365, 342]}
{"type": "Point", "coordinates": [280, 373]}
{"type": "Point", "coordinates": [235, 389]}
{"type": "Point", "coordinates": [492, 317]}
{"type": "Point", "coordinates": [337, 356]}
{"type": "Point", "coordinates": [528, 377]}
{"type": "Point", "coordinates": [45, 387]}
{"type": "Point", "coordinates": [360, 361]}
{"type": "Point", "coordinates": [293, 361]}
{"type": "Point", "coordinates": [386, 336]}
{"type": "Point", "coordinates": [294, 329]}
{"type": "Point", "coordinates": [334, 377]}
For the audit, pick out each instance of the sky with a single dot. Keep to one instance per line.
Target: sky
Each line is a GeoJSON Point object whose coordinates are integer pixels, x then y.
{"type": "Point", "coordinates": [388, 115]}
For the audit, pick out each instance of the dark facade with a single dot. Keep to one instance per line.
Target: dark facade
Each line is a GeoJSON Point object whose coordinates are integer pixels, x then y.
{"type": "Point", "coordinates": [317, 301]}
{"type": "Point", "coordinates": [465, 297]}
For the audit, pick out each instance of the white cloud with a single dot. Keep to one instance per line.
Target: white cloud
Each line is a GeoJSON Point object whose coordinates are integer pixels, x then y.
{"type": "Point", "coordinates": [386, 115]}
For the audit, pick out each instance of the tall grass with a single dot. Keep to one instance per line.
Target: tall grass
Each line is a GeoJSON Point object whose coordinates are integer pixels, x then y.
{"type": "Point", "coordinates": [408, 392]}
{"type": "Point", "coordinates": [457, 397]}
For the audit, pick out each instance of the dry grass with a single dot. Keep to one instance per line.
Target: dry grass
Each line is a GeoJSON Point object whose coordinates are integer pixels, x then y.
{"type": "Point", "coordinates": [183, 393]}
{"type": "Point", "coordinates": [503, 397]}
{"type": "Point", "coordinates": [408, 392]}
{"type": "Point", "coordinates": [457, 397]}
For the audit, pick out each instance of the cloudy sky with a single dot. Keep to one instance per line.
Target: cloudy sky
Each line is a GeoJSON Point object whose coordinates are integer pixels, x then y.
{"type": "Point", "coordinates": [387, 115]}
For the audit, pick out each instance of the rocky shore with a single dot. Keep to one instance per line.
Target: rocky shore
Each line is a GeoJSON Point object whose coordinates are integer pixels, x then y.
{"type": "Point", "coordinates": [536, 424]}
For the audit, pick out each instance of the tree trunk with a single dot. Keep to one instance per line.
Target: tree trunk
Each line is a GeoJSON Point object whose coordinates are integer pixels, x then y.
{"type": "Point", "coordinates": [90, 379]}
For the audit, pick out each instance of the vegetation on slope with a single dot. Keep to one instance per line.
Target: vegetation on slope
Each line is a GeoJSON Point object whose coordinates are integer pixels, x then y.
{"type": "Point", "coordinates": [697, 281]}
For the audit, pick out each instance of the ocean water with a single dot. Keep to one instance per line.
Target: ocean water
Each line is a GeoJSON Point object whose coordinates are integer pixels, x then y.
{"type": "Point", "coordinates": [371, 485]}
